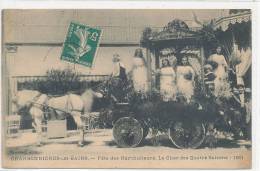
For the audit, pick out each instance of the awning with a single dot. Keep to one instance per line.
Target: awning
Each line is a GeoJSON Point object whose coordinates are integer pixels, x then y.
{"type": "Point", "coordinates": [191, 51]}
{"type": "Point", "coordinates": [224, 22]}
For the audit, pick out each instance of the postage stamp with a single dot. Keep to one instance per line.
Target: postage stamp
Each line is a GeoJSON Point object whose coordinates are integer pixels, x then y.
{"type": "Point", "coordinates": [81, 44]}
{"type": "Point", "coordinates": [170, 88]}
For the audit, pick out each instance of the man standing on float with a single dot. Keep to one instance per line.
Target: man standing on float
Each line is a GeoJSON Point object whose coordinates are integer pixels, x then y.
{"type": "Point", "coordinates": [118, 79]}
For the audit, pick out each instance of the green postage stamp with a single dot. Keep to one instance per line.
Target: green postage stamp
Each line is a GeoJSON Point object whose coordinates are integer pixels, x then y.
{"type": "Point", "coordinates": [81, 44]}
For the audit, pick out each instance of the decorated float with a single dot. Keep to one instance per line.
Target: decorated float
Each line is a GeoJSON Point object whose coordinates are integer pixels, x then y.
{"type": "Point", "coordinates": [189, 124]}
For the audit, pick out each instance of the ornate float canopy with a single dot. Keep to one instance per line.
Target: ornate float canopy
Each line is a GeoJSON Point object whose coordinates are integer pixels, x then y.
{"type": "Point", "coordinates": [175, 32]}
{"type": "Point", "coordinates": [234, 17]}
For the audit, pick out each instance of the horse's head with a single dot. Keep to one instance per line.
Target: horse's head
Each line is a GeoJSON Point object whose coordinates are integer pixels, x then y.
{"type": "Point", "coordinates": [98, 94]}
{"type": "Point", "coordinates": [89, 93]}
{"type": "Point", "coordinates": [15, 106]}
{"type": "Point", "coordinates": [103, 90]}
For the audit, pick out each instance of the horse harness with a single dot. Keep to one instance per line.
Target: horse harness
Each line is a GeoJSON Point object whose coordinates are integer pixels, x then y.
{"type": "Point", "coordinates": [43, 106]}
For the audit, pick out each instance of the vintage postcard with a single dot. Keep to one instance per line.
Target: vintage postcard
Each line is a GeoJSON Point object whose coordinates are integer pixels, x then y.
{"type": "Point", "coordinates": [127, 88]}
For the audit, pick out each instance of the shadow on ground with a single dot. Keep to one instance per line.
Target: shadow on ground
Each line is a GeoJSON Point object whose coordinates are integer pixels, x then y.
{"type": "Point", "coordinates": [146, 142]}
{"type": "Point", "coordinates": [66, 142]}
{"type": "Point", "coordinates": [164, 141]}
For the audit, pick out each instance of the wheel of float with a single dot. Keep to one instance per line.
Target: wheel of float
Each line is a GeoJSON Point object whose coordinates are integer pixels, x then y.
{"type": "Point", "coordinates": [127, 132]}
{"type": "Point", "coordinates": [187, 134]}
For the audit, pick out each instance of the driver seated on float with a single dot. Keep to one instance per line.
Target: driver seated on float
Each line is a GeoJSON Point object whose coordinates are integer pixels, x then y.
{"type": "Point", "coordinates": [118, 80]}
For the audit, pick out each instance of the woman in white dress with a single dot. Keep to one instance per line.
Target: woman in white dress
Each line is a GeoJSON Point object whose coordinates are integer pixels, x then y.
{"type": "Point", "coordinates": [139, 72]}
{"type": "Point", "coordinates": [168, 87]}
{"type": "Point", "coordinates": [220, 71]}
{"type": "Point", "coordinates": [185, 80]}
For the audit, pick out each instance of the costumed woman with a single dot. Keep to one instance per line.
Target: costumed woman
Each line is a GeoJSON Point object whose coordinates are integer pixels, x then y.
{"type": "Point", "coordinates": [220, 66]}
{"type": "Point", "coordinates": [168, 88]}
{"type": "Point", "coordinates": [241, 62]}
{"type": "Point", "coordinates": [185, 80]}
{"type": "Point", "coordinates": [139, 73]}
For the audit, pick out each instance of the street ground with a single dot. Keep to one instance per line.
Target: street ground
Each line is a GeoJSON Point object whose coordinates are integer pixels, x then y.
{"type": "Point", "coordinates": [101, 140]}
{"type": "Point", "coordinates": [101, 151]}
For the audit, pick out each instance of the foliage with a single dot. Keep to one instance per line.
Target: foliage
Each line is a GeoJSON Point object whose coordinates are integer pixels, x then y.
{"type": "Point", "coordinates": [147, 32]}
{"type": "Point", "coordinates": [61, 81]}
{"type": "Point", "coordinates": [240, 33]}
{"type": "Point", "coordinates": [176, 25]}
{"type": "Point", "coordinates": [208, 38]}
{"type": "Point", "coordinates": [58, 82]}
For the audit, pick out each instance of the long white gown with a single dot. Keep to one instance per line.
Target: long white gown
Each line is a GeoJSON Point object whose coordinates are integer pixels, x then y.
{"type": "Point", "coordinates": [140, 79]}
{"type": "Point", "coordinates": [168, 88]}
{"type": "Point", "coordinates": [220, 72]}
{"type": "Point", "coordinates": [185, 86]}
{"type": "Point", "coordinates": [241, 68]}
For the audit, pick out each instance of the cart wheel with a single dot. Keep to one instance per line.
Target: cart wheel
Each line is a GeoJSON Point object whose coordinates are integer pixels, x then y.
{"type": "Point", "coordinates": [187, 134]}
{"type": "Point", "coordinates": [127, 132]}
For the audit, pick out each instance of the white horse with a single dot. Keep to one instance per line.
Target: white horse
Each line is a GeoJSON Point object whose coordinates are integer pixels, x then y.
{"type": "Point", "coordinates": [72, 104]}
{"type": "Point", "coordinates": [75, 105]}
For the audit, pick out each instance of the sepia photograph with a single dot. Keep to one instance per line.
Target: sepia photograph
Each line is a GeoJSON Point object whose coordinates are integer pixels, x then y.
{"type": "Point", "coordinates": [127, 88]}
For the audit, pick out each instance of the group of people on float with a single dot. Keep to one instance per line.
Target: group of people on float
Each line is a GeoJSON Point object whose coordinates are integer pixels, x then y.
{"type": "Point", "coordinates": [175, 80]}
